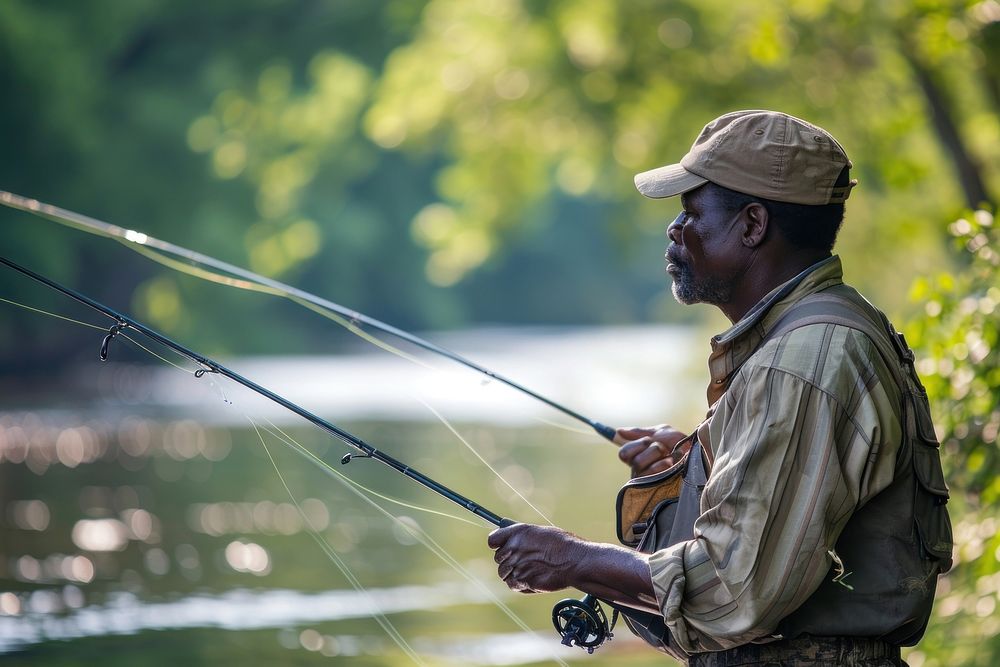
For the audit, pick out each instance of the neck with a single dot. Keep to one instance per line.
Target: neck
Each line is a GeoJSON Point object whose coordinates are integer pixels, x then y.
{"type": "Point", "coordinates": [764, 273]}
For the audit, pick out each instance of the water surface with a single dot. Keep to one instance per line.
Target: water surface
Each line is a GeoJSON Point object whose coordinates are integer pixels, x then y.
{"type": "Point", "coordinates": [144, 522]}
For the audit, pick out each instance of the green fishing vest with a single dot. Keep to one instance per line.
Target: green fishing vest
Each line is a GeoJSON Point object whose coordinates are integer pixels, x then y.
{"type": "Point", "coordinates": [894, 546]}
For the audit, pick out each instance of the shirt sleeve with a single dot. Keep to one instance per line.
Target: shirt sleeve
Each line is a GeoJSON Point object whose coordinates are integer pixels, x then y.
{"type": "Point", "coordinates": [792, 463]}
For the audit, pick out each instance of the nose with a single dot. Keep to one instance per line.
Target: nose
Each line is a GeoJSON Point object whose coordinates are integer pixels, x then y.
{"type": "Point", "coordinates": [674, 229]}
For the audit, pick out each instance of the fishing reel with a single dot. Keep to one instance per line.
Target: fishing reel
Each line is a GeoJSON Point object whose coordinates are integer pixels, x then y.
{"type": "Point", "coordinates": [582, 622]}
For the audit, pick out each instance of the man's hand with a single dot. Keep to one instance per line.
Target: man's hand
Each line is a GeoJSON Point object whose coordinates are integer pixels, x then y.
{"type": "Point", "coordinates": [541, 559]}
{"type": "Point", "coordinates": [650, 449]}
{"type": "Point", "coordinates": [535, 559]}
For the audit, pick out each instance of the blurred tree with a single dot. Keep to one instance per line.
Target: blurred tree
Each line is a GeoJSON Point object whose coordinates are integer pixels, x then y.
{"type": "Point", "coordinates": [101, 116]}
{"type": "Point", "coordinates": [958, 340]}
{"type": "Point", "coordinates": [449, 162]}
{"type": "Point", "coordinates": [535, 100]}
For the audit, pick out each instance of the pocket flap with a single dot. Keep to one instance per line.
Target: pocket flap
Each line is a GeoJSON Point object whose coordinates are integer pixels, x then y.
{"type": "Point", "coordinates": [639, 497]}
{"type": "Point", "coordinates": [925, 427]}
{"type": "Point", "coordinates": [930, 509]}
{"type": "Point", "coordinates": [927, 466]}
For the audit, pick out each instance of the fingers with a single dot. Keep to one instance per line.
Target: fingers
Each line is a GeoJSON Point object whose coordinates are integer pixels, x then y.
{"type": "Point", "coordinates": [514, 581]}
{"type": "Point", "coordinates": [655, 467]}
{"type": "Point", "coordinates": [507, 561]}
{"type": "Point", "coordinates": [649, 455]}
{"type": "Point", "coordinates": [531, 558]}
{"type": "Point", "coordinates": [652, 445]}
{"type": "Point", "coordinates": [654, 459]}
{"type": "Point", "coordinates": [499, 537]}
{"type": "Point", "coordinates": [628, 433]}
{"type": "Point", "coordinates": [630, 450]}
{"type": "Point", "coordinates": [668, 436]}
{"type": "Point", "coordinates": [643, 452]}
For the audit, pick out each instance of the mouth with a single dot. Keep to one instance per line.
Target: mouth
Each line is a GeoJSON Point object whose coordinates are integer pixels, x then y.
{"type": "Point", "coordinates": [674, 264]}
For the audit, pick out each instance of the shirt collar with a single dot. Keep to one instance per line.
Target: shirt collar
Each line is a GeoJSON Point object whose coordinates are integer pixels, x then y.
{"type": "Point", "coordinates": [734, 346]}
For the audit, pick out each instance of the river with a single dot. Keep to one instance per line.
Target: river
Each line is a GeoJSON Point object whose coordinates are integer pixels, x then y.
{"type": "Point", "coordinates": [152, 518]}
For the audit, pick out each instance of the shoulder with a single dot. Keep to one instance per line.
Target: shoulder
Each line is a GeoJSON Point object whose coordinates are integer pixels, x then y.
{"type": "Point", "coordinates": [834, 358]}
{"type": "Point", "coordinates": [816, 350]}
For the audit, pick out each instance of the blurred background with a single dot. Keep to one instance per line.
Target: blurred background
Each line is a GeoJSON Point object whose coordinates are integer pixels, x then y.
{"type": "Point", "coordinates": [463, 169]}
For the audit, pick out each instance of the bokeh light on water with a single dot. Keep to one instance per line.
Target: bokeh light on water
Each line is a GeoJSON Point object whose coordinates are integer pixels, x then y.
{"type": "Point", "coordinates": [133, 516]}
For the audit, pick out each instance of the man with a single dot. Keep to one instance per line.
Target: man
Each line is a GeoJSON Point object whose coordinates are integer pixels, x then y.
{"type": "Point", "coordinates": [822, 525]}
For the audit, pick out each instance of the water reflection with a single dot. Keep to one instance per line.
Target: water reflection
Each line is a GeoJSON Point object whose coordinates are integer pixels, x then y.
{"type": "Point", "coordinates": [54, 568]}
{"type": "Point", "coordinates": [28, 619]}
{"type": "Point", "coordinates": [29, 514]}
{"type": "Point", "coordinates": [112, 547]}
{"type": "Point", "coordinates": [40, 440]}
{"type": "Point", "coordinates": [100, 535]}
{"type": "Point", "coordinates": [125, 517]}
{"type": "Point", "coordinates": [248, 557]}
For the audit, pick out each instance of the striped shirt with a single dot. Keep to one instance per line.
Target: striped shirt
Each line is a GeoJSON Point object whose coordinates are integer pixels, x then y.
{"type": "Point", "coordinates": [803, 431]}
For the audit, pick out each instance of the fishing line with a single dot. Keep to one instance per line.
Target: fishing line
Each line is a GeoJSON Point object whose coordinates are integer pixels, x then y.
{"type": "Point", "coordinates": [99, 328]}
{"type": "Point", "coordinates": [418, 533]}
{"type": "Point", "coordinates": [357, 488]}
{"type": "Point", "coordinates": [379, 615]}
{"type": "Point", "coordinates": [484, 461]}
{"type": "Point", "coordinates": [56, 315]}
{"type": "Point", "coordinates": [123, 322]}
{"type": "Point", "coordinates": [135, 240]}
{"type": "Point", "coordinates": [564, 427]}
{"type": "Point", "coordinates": [359, 332]}
{"type": "Point", "coordinates": [295, 445]}
{"type": "Point", "coordinates": [208, 365]}
{"type": "Point", "coordinates": [161, 358]}
{"type": "Point", "coordinates": [298, 447]}
{"type": "Point", "coordinates": [440, 551]}
{"type": "Point", "coordinates": [228, 281]}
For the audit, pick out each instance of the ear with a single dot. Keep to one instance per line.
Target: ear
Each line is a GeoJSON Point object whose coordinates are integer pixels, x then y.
{"type": "Point", "coordinates": [755, 224]}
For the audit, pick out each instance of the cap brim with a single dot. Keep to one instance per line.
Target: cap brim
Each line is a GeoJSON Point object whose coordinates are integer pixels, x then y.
{"type": "Point", "coordinates": [667, 181]}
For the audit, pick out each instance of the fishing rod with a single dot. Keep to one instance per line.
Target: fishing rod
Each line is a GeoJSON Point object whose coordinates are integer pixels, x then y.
{"type": "Point", "coordinates": [580, 622]}
{"type": "Point", "coordinates": [145, 241]}
{"type": "Point", "coordinates": [123, 322]}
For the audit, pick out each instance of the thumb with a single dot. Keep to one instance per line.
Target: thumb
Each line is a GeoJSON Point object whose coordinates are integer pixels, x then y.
{"type": "Point", "coordinates": [628, 433]}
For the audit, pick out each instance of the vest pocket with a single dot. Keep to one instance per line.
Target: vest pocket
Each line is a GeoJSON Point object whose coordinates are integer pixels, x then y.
{"type": "Point", "coordinates": [931, 493]}
{"type": "Point", "coordinates": [658, 526]}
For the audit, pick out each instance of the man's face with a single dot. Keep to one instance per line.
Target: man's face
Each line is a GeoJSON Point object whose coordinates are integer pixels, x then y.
{"type": "Point", "coordinates": [706, 256]}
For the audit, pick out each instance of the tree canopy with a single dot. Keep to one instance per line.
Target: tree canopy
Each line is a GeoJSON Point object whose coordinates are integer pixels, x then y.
{"type": "Point", "coordinates": [484, 148]}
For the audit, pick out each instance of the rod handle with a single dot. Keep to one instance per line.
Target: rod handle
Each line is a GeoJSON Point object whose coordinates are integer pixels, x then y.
{"type": "Point", "coordinates": [608, 432]}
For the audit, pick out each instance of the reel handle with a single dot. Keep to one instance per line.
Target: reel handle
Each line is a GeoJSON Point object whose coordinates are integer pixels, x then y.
{"type": "Point", "coordinates": [581, 623]}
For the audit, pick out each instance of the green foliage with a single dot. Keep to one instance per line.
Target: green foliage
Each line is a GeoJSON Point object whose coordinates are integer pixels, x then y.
{"type": "Point", "coordinates": [958, 340]}
{"type": "Point", "coordinates": [457, 161]}
{"type": "Point", "coordinates": [532, 100]}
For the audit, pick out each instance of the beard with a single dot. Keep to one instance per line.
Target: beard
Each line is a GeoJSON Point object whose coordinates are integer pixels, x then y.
{"type": "Point", "coordinates": [688, 290]}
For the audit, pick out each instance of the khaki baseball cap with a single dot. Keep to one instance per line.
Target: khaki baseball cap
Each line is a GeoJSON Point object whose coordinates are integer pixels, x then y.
{"type": "Point", "coordinates": [763, 153]}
